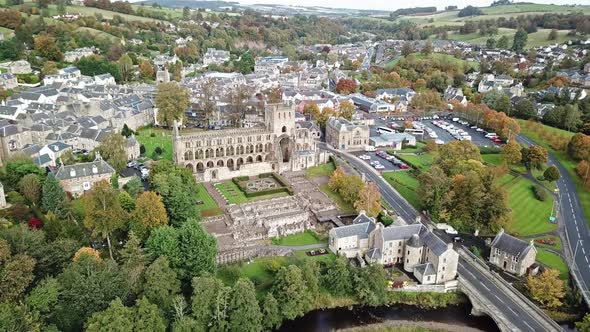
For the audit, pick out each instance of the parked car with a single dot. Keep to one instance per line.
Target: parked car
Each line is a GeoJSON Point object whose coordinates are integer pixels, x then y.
{"type": "Point", "coordinates": [379, 166]}
{"type": "Point", "coordinates": [365, 157]}
{"type": "Point", "coordinates": [458, 239]}
{"type": "Point", "coordinates": [404, 166]}
{"type": "Point", "coordinates": [131, 164]}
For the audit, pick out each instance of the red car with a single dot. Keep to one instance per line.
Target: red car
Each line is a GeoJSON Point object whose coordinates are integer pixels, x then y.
{"type": "Point", "coordinates": [496, 140]}
{"type": "Point", "coordinates": [404, 166]}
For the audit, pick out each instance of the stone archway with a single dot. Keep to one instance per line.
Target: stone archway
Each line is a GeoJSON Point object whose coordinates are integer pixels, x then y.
{"type": "Point", "coordinates": [230, 164]}
{"type": "Point", "coordinates": [285, 144]}
{"type": "Point", "coordinates": [249, 160]}
{"type": "Point", "coordinates": [210, 164]}
{"type": "Point", "coordinates": [200, 168]}
{"type": "Point", "coordinates": [214, 174]}
{"type": "Point", "coordinates": [284, 129]}
{"type": "Point", "coordinates": [220, 163]}
{"type": "Point", "coordinates": [240, 162]}
{"type": "Point", "coordinates": [259, 158]}
{"type": "Point", "coordinates": [191, 167]}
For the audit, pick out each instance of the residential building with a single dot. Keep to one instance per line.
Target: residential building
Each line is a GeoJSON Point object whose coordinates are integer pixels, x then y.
{"type": "Point", "coordinates": [8, 81]}
{"type": "Point", "coordinates": [20, 67]}
{"type": "Point", "coordinates": [79, 53]}
{"type": "Point", "coordinates": [217, 57]}
{"type": "Point", "coordinates": [2, 197]}
{"type": "Point", "coordinates": [512, 254]}
{"type": "Point", "coordinates": [79, 178]}
{"type": "Point", "coordinates": [345, 135]}
{"type": "Point", "coordinates": [54, 151]}
{"type": "Point", "coordinates": [415, 247]}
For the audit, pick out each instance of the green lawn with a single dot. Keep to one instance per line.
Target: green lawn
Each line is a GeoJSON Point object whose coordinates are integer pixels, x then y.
{"type": "Point", "coordinates": [553, 261]}
{"type": "Point", "coordinates": [409, 149]}
{"type": "Point", "coordinates": [234, 195]}
{"type": "Point", "coordinates": [529, 215]}
{"type": "Point", "coordinates": [306, 238]}
{"type": "Point", "coordinates": [321, 170]}
{"type": "Point", "coordinates": [160, 137]}
{"type": "Point", "coordinates": [300, 254]}
{"type": "Point", "coordinates": [492, 159]}
{"type": "Point", "coordinates": [345, 207]}
{"type": "Point", "coordinates": [406, 184]}
{"type": "Point", "coordinates": [209, 207]}
{"type": "Point", "coordinates": [564, 159]}
{"type": "Point", "coordinates": [556, 246]}
{"type": "Point", "coordinates": [423, 161]}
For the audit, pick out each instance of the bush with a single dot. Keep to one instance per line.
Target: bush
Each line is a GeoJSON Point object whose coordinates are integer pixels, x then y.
{"type": "Point", "coordinates": [475, 250]}
{"type": "Point", "coordinates": [385, 220]}
{"type": "Point", "coordinates": [489, 150]}
{"type": "Point", "coordinates": [153, 135]}
{"type": "Point", "coordinates": [540, 193]}
{"type": "Point", "coordinates": [158, 150]}
{"type": "Point", "coordinates": [14, 197]}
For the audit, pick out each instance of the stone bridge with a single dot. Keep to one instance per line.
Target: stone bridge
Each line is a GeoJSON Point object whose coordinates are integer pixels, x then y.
{"type": "Point", "coordinates": [493, 296]}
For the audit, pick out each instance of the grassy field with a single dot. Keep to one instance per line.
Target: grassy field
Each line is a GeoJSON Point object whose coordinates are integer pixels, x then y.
{"type": "Point", "coordinates": [302, 239]}
{"type": "Point", "coordinates": [406, 184]}
{"type": "Point", "coordinates": [492, 159]}
{"type": "Point", "coordinates": [234, 195]}
{"type": "Point", "coordinates": [569, 164]}
{"type": "Point", "coordinates": [553, 261]}
{"type": "Point", "coordinates": [90, 11]}
{"type": "Point", "coordinates": [209, 207]}
{"type": "Point", "coordinates": [535, 39]}
{"type": "Point", "coordinates": [344, 206]}
{"type": "Point", "coordinates": [300, 254]}
{"type": "Point", "coordinates": [98, 34]}
{"type": "Point", "coordinates": [160, 137]}
{"type": "Point", "coordinates": [321, 170]}
{"type": "Point", "coordinates": [529, 215]}
{"type": "Point", "coordinates": [423, 161]}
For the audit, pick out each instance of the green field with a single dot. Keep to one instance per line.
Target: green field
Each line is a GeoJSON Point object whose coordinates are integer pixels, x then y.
{"type": "Point", "coordinates": [209, 207]}
{"type": "Point", "coordinates": [494, 159]}
{"type": "Point", "coordinates": [90, 11]}
{"type": "Point", "coordinates": [160, 137]}
{"type": "Point", "coordinates": [535, 39]}
{"type": "Point", "coordinates": [568, 163]}
{"type": "Point", "coordinates": [529, 215]}
{"type": "Point", "coordinates": [98, 34]}
{"type": "Point", "coordinates": [553, 261]}
{"type": "Point", "coordinates": [321, 170]}
{"type": "Point", "coordinates": [406, 184]}
{"type": "Point", "coordinates": [302, 239]}
{"type": "Point", "coordinates": [423, 161]}
{"type": "Point", "coordinates": [335, 197]}
{"type": "Point", "coordinates": [234, 195]}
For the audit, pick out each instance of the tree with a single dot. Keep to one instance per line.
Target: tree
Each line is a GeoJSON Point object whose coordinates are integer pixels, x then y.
{"type": "Point", "coordinates": [161, 284]}
{"type": "Point", "coordinates": [525, 109]}
{"type": "Point", "coordinates": [369, 200]}
{"type": "Point", "coordinates": [291, 292]}
{"type": "Point", "coordinates": [428, 48]}
{"type": "Point", "coordinates": [116, 317]}
{"type": "Point", "coordinates": [337, 279]}
{"type": "Point", "coordinates": [244, 312]}
{"type": "Point", "coordinates": [346, 86]}
{"type": "Point", "coordinates": [186, 13]}
{"type": "Point", "coordinates": [433, 185]}
{"type": "Point", "coordinates": [551, 173]}
{"type": "Point", "coordinates": [18, 318]}
{"type": "Point", "coordinates": [44, 297]}
{"type": "Point", "coordinates": [86, 251]}
{"type": "Point", "coordinates": [271, 313]}
{"type": "Point", "coordinates": [547, 288]}
{"type": "Point", "coordinates": [104, 213]}
{"type": "Point", "coordinates": [584, 324]}
{"type": "Point", "coordinates": [351, 188]}
{"type": "Point", "coordinates": [46, 47]}
{"type": "Point", "coordinates": [147, 317]}
{"type": "Point", "coordinates": [470, 11]}
{"type": "Point", "coordinates": [346, 110]}
{"type": "Point", "coordinates": [113, 149]}
{"type": "Point", "coordinates": [552, 34]}
{"type": "Point", "coordinates": [245, 64]}
{"type": "Point", "coordinates": [337, 179]}
{"type": "Point", "coordinates": [511, 152]}
{"type": "Point", "coordinates": [125, 67]}
{"type": "Point", "coordinates": [370, 284]}
{"type": "Point", "coordinates": [491, 42]}
{"type": "Point", "coordinates": [16, 273]}
{"type": "Point", "coordinates": [49, 68]}
{"type": "Point", "coordinates": [579, 147]}
{"type": "Point", "coordinates": [520, 40]}
{"type": "Point", "coordinates": [407, 49]}
{"type": "Point", "coordinates": [146, 70]}
{"type": "Point", "coordinates": [30, 188]}
{"type": "Point", "coordinates": [53, 194]}
{"type": "Point", "coordinates": [61, 7]}
{"type": "Point", "coordinates": [535, 156]}
{"type": "Point", "coordinates": [134, 187]}
{"type": "Point", "coordinates": [503, 42]}
{"type": "Point", "coordinates": [16, 169]}
{"type": "Point", "coordinates": [209, 302]}
{"type": "Point", "coordinates": [172, 100]}
{"type": "Point", "coordinates": [149, 213]}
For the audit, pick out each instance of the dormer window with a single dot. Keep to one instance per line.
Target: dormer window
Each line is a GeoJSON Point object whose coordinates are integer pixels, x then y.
{"type": "Point", "coordinates": [72, 172]}
{"type": "Point", "coordinates": [94, 169]}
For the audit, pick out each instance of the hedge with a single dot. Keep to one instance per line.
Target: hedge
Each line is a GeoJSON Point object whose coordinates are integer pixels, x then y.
{"type": "Point", "coordinates": [540, 192]}
{"type": "Point", "coordinates": [284, 186]}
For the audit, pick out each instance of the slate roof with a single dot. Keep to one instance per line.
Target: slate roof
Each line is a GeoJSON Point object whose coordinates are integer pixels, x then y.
{"type": "Point", "coordinates": [360, 230]}
{"type": "Point", "coordinates": [374, 253]}
{"type": "Point", "coordinates": [511, 245]}
{"type": "Point", "coordinates": [362, 218]}
{"type": "Point", "coordinates": [426, 269]}
{"type": "Point", "coordinates": [400, 232]}
{"type": "Point", "coordinates": [83, 169]}
{"type": "Point", "coordinates": [42, 159]}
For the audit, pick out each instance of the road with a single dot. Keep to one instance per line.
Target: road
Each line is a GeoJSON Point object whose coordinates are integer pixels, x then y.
{"type": "Point", "coordinates": [574, 222]}
{"type": "Point", "coordinates": [507, 305]}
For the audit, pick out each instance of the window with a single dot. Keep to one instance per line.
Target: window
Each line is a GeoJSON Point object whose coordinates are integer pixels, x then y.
{"type": "Point", "coordinates": [428, 278]}
{"type": "Point", "coordinates": [399, 251]}
{"type": "Point", "coordinates": [86, 185]}
{"type": "Point", "coordinates": [400, 243]}
{"type": "Point", "coordinates": [407, 260]}
{"type": "Point", "coordinates": [408, 252]}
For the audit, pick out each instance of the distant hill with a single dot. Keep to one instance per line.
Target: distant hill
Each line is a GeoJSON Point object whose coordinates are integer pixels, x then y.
{"type": "Point", "coordinates": [212, 4]}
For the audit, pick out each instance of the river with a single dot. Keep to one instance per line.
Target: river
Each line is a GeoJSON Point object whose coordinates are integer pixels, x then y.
{"type": "Point", "coordinates": [455, 318]}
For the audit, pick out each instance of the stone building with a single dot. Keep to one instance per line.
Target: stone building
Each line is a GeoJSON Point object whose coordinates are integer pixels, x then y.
{"type": "Point", "coordinates": [276, 146]}
{"type": "Point", "coordinates": [79, 178]}
{"type": "Point", "coordinates": [2, 197]}
{"type": "Point", "coordinates": [345, 135]}
{"type": "Point", "coordinates": [511, 254]}
{"type": "Point", "coordinates": [430, 259]}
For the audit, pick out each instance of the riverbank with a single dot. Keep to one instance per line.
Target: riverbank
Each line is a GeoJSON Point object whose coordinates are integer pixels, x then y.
{"type": "Point", "coordinates": [411, 326]}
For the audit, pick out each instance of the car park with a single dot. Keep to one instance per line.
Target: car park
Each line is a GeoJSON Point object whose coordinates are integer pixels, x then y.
{"type": "Point", "coordinates": [365, 157]}
{"type": "Point", "coordinates": [379, 166]}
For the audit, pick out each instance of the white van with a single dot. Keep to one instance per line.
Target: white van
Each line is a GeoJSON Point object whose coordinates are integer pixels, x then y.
{"type": "Point", "coordinates": [369, 148]}
{"type": "Point", "coordinates": [490, 135]}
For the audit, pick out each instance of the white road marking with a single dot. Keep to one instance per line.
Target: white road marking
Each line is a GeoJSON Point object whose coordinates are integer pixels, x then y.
{"type": "Point", "coordinates": [499, 299]}
{"type": "Point", "coordinates": [586, 257]}
{"type": "Point", "coordinates": [527, 324]}
{"type": "Point", "coordinates": [514, 312]}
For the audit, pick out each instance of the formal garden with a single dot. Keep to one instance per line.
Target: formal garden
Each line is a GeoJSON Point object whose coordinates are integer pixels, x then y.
{"type": "Point", "coordinates": [246, 189]}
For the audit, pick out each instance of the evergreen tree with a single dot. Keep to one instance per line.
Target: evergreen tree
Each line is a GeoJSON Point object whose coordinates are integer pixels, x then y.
{"type": "Point", "coordinates": [291, 292]}
{"type": "Point", "coordinates": [520, 40]}
{"type": "Point", "coordinates": [270, 313]}
{"type": "Point", "coordinates": [244, 312]}
{"type": "Point", "coordinates": [337, 279]}
{"type": "Point", "coordinates": [161, 284]}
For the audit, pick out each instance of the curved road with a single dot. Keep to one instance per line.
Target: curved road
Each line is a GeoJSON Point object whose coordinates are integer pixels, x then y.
{"type": "Point", "coordinates": [576, 229]}
{"type": "Point", "coordinates": [521, 317]}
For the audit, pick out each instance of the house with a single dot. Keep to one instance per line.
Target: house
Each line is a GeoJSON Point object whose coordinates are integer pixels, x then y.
{"type": "Point", "coordinates": [8, 81]}
{"type": "Point", "coordinates": [132, 148]}
{"type": "Point", "coordinates": [415, 247]}
{"type": "Point", "coordinates": [104, 79]}
{"type": "Point", "coordinates": [395, 141]}
{"type": "Point", "coordinates": [345, 135]}
{"type": "Point", "coordinates": [162, 76]}
{"type": "Point", "coordinates": [512, 254]}
{"type": "Point", "coordinates": [77, 54]}
{"type": "Point", "coordinates": [405, 94]}
{"type": "Point", "coordinates": [217, 57]}
{"type": "Point", "coordinates": [54, 151]}
{"type": "Point", "coordinates": [453, 94]}
{"type": "Point", "coordinates": [20, 67]}
{"type": "Point", "coordinates": [79, 178]}
{"type": "Point", "coordinates": [371, 105]}
{"type": "Point", "coordinates": [2, 197]}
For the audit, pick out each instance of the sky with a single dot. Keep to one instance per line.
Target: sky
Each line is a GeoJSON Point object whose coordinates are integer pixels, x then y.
{"type": "Point", "coordinates": [396, 4]}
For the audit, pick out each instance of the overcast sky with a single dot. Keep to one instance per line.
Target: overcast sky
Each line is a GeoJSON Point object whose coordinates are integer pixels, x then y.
{"type": "Point", "coordinates": [395, 4]}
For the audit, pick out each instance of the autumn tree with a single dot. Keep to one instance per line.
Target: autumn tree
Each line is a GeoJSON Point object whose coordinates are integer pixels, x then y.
{"type": "Point", "coordinates": [30, 188]}
{"type": "Point", "coordinates": [535, 156]}
{"type": "Point", "coordinates": [16, 273]}
{"type": "Point", "coordinates": [113, 149]}
{"type": "Point", "coordinates": [547, 288]}
{"type": "Point", "coordinates": [337, 179]}
{"type": "Point", "coordinates": [369, 200]}
{"type": "Point", "coordinates": [104, 214]}
{"type": "Point", "coordinates": [311, 108]}
{"type": "Point", "coordinates": [351, 188]}
{"type": "Point", "coordinates": [511, 152]}
{"type": "Point", "coordinates": [149, 213]}
{"type": "Point", "coordinates": [49, 68]}
{"type": "Point", "coordinates": [551, 173]}
{"type": "Point", "coordinates": [579, 147]}
{"type": "Point", "coordinates": [346, 110]}
{"type": "Point", "coordinates": [172, 101]}
{"type": "Point", "coordinates": [146, 70]}
{"type": "Point", "coordinates": [346, 86]}
{"type": "Point", "coordinates": [46, 47]}
{"type": "Point", "coordinates": [428, 100]}
{"type": "Point", "coordinates": [125, 67]}
{"type": "Point", "coordinates": [86, 251]}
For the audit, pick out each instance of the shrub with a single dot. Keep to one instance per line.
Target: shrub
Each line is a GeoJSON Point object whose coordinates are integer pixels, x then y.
{"type": "Point", "coordinates": [153, 135]}
{"type": "Point", "coordinates": [475, 250]}
{"type": "Point", "coordinates": [158, 150]}
{"type": "Point", "coordinates": [540, 193]}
